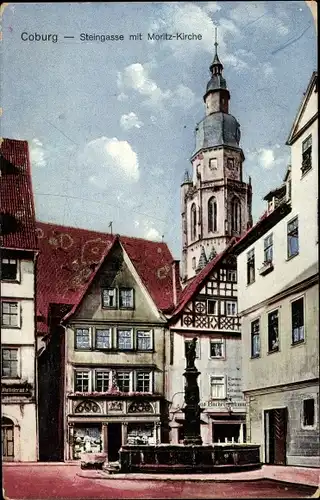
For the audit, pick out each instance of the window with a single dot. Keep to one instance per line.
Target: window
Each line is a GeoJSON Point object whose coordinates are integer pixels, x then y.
{"type": "Point", "coordinates": [103, 338]}
{"type": "Point", "coordinates": [293, 238]}
{"type": "Point", "coordinates": [218, 387]}
{"type": "Point", "coordinates": [143, 382]}
{"type": "Point", "coordinates": [83, 340]}
{"type": "Point", "coordinates": [124, 339]}
{"type": "Point", "coordinates": [273, 331]}
{"type": "Point", "coordinates": [81, 381]}
{"type": "Point", "coordinates": [297, 319]}
{"type": "Point", "coordinates": [212, 215]}
{"type": "Point", "coordinates": [126, 298]}
{"type": "Point", "coordinates": [193, 262]}
{"type": "Point", "coordinates": [306, 155]}
{"type": "Point", "coordinates": [187, 345]}
{"type": "Point", "coordinates": [216, 348]}
{"type": "Point", "coordinates": [144, 340]}
{"type": "Point", "coordinates": [109, 298]}
{"type": "Point", "coordinates": [255, 338]}
{"type": "Point", "coordinates": [212, 306]}
{"type": "Point", "coordinates": [235, 216]}
{"type": "Point", "coordinates": [193, 222]}
{"type": "Point", "coordinates": [308, 413]}
{"type": "Point", "coordinates": [213, 163]}
{"type": "Point", "coordinates": [250, 267]}
{"type": "Point", "coordinates": [268, 248]}
{"type": "Point", "coordinates": [10, 314]}
{"type": "Point", "coordinates": [102, 381]}
{"type": "Point", "coordinates": [10, 363]}
{"type": "Point", "coordinates": [230, 163]}
{"type": "Point", "coordinates": [9, 269]}
{"type": "Point", "coordinates": [123, 381]}
{"type": "Point", "coordinates": [231, 308]}
{"type": "Point", "coordinates": [232, 275]}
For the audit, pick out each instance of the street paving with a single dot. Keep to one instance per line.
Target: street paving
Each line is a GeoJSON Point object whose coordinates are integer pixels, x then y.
{"type": "Point", "coordinates": [41, 482]}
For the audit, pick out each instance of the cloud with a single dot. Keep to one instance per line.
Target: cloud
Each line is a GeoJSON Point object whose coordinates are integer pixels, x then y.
{"type": "Point", "coordinates": [136, 77]}
{"type": "Point", "coordinates": [114, 158]}
{"type": "Point", "coordinates": [211, 7]}
{"type": "Point", "coordinates": [37, 153]}
{"type": "Point", "coordinates": [257, 17]}
{"type": "Point", "coordinates": [130, 121]}
{"type": "Point", "coordinates": [267, 69]}
{"type": "Point", "coordinates": [268, 158]}
{"type": "Point", "coordinates": [152, 234]}
{"type": "Point", "coordinates": [122, 97]}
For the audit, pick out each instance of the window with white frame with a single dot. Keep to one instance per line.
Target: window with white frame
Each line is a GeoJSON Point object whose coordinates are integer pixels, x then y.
{"type": "Point", "coordinates": [9, 269]}
{"type": "Point", "coordinates": [124, 381]}
{"type": "Point", "coordinates": [109, 298]}
{"type": "Point", "coordinates": [81, 381]}
{"type": "Point", "coordinates": [231, 308]}
{"type": "Point", "coordinates": [83, 338]}
{"type": "Point", "coordinates": [255, 338]}
{"type": "Point", "coordinates": [268, 248]}
{"type": "Point", "coordinates": [143, 382]}
{"type": "Point", "coordinates": [103, 338]}
{"type": "Point", "coordinates": [216, 348]}
{"type": "Point", "coordinates": [273, 331]}
{"type": "Point", "coordinates": [144, 340]}
{"type": "Point", "coordinates": [10, 314]}
{"type": "Point", "coordinates": [250, 267]}
{"type": "Point", "coordinates": [293, 237]}
{"type": "Point", "coordinates": [212, 306]}
{"type": "Point", "coordinates": [124, 339]}
{"type": "Point", "coordinates": [217, 387]}
{"type": "Point", "coordinates": [102, 381]}
{"type": "Point", "coordinates": [213, 163]}
{"type": "Point", "coordinates": [297, 320]}
{"type": "Point", "coordinates": [126, 298]}
{"type": "Point", "coordinates": [10, 367]}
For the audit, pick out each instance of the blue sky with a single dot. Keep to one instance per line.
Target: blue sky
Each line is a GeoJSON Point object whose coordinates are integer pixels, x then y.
{"type": "Point", "coordinates": [111, 125]}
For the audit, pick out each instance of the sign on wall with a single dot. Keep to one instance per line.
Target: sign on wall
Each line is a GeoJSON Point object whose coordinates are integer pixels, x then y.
{"type": "Point", "coordinates": [16, 390]}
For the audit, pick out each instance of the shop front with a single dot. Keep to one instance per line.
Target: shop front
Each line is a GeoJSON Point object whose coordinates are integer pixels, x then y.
{"type": "Point", "coordinates": [105, 426]}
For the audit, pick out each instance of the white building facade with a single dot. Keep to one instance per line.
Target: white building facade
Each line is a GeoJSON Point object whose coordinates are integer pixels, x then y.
{"type": "Point", "coordinates": [18, 263]}
{"type": "Point", "coordinates": [279, 306]}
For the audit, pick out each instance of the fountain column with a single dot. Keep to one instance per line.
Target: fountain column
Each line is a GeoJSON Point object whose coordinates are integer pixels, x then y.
{"type": "Point", "coordinates": [192, 410]}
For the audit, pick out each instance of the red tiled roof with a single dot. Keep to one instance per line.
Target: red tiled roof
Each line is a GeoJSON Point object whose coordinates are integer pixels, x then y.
{"type": "Point", "coordinates": [16, 196]}
{"type": "Point", "coordinates": [194, 286]}
{"type": "Point", "coordinates": [68, 256]}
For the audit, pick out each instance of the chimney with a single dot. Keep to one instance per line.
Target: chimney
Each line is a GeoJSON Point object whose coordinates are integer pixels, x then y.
{"type": "Point", "coordinates": [175, 280]}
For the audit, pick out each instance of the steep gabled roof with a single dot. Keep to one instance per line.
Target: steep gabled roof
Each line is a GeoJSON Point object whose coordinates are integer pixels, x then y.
{"type": "Point", "coordinates": [198, 282]}
{"type": "Point", "coordinates": [307, 94]}
{"type": "Point", "coordinates": [16, 197]}
{"type": "Point", "coordinates": [69, 257]}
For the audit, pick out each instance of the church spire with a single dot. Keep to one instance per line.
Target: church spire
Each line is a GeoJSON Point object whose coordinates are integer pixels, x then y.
{"type": "Point", "coordinates": [216, 66]}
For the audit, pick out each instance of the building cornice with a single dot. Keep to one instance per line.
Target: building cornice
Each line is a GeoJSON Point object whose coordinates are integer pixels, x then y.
{"type": "Point", "coordinates": [299, 384]}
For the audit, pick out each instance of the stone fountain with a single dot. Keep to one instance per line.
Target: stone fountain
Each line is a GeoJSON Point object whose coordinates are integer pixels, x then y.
{"type": "Point", "coordinates": [191, 456]}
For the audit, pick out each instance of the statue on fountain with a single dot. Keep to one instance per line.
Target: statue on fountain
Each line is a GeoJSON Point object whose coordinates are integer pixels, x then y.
{"type": "Point", "coordinates": [191, 353]}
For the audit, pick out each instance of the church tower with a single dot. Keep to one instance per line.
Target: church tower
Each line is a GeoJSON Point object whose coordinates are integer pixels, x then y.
{"type": "Point", "coordinates": [215, 202]}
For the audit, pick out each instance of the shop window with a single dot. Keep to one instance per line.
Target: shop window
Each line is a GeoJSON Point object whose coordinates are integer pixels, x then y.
{"type": "Point", "coordinates": [308, 413]}
{"type": "Point", "coordinates": [226, 433]}
{"type": "Point", "coordinates": [141, 433]}
{"type": "Point", "coordinates": [83, 338]}
{"type": "Point", "coordinates": [86, 440]}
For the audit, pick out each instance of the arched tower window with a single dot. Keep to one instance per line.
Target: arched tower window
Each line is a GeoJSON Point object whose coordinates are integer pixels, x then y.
{"type": "Point", "coordinates": [193, 220]}
{"type": "Point", "coordinates": [235, 215]}
{"type": "Point", "coordinates": [212, 215]}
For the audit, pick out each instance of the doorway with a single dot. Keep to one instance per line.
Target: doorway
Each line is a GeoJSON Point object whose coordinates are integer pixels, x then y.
{"type": "Point", "coordinates": [7, 438]}
{"type": "Point", "coordinates": [114, 441]}
{"type": "Point", "coordinates": [275, 425]}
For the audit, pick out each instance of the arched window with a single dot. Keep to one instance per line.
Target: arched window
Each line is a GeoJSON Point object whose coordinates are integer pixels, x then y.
{"type": "Point", "coordinates": [236, 215]}
{"type": "Point", "coordinates": [212, 215]}
{"type": "Point", "coordinates": [7, 429]}
{"type": "Point", "coordinates": [193, 219]}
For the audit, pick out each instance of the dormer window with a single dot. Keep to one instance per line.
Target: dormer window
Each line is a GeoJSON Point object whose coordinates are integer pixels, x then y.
{"type": "Point", "coordinates": [9, 269]}
{"type": "Point", "coordinates": [126, 298]}
{"type": "Point", "coordinates": [306, 155]}
{"type": "Point", "coordinates": [109, 298]}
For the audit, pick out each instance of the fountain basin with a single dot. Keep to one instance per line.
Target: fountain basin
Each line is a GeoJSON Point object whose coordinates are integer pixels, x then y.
{"type": "Point", "coordinates": [175, 458]}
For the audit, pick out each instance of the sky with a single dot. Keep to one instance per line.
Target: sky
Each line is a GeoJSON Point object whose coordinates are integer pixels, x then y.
{"type": "Point", "coordinates": [110, 125]}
